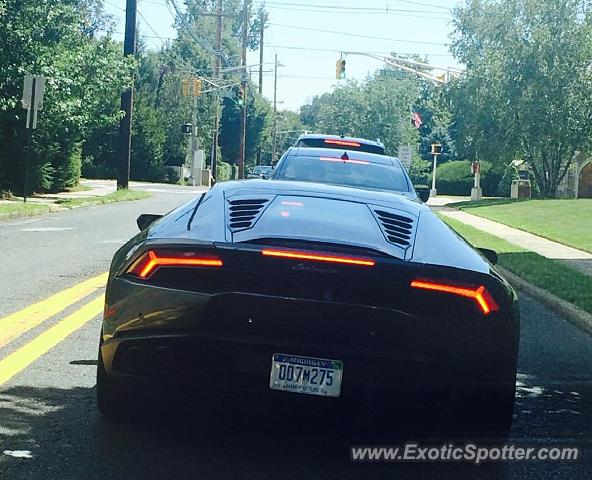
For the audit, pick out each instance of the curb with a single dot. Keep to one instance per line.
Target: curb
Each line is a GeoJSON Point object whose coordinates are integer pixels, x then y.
{"type": "Point", "coordinates": [570, 312]}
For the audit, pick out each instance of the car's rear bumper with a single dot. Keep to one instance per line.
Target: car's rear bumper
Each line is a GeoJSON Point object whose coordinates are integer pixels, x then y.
{"type": "Point", "coordinates": [225, 343]}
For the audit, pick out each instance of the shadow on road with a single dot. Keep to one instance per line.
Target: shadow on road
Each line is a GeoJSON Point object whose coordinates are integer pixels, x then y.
{"type": "Point", "coordinates": [64, 436]}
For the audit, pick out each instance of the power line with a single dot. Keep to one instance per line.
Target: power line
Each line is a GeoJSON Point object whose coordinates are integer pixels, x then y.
{"type": "Point", "coordinates": [340, 5]}
{"type": "Point", "coordinates": [202, 42]}
{"type": "Point", "coordinates": [348, 12]}
{"type": "Point", "coordinates": [151, 27]}
{"type": "Point", "coordinates": [345, 8]}
{"type": "Point", "coordinates": [286, 47]}
{"type": "Point", "coordinates": [349, 34]}
{"type": "Point", "coordinates": [114, 5]}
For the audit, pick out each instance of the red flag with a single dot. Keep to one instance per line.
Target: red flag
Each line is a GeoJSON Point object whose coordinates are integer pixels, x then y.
{"type": "Point", "coordinates": [416, 120]}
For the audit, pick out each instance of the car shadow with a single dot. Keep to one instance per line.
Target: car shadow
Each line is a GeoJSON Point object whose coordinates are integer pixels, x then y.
{"type": "Point", "coordinates": [49, 433]}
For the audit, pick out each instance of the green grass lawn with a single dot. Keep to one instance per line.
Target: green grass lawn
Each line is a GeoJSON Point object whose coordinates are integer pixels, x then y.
{"type": "Point", "coordinates": [550, 275]}
{"type": "Point", "coordinates": [16, 208]}
{"type": "Point", "coordinates": [564, 221]}
{"type": "Point", "coordinates": [117, 196]}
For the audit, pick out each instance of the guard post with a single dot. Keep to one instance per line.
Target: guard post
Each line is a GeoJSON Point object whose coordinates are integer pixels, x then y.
{"type": "Point", "coordinates": [476, 192]}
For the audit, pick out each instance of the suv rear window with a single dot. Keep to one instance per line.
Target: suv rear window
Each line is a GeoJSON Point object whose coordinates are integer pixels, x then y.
{"type": "Point", "coordinates": [336, 171]}
{"type": "Point", "coordinates": [340, 144]}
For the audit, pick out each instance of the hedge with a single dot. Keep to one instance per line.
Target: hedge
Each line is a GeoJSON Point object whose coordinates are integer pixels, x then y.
{"type": "Point", "coordinates": [455, 178]}
{"type": "Point", "coordinates": [224, 171]}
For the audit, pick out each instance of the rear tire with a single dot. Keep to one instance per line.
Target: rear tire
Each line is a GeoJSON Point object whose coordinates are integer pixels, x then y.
{"type": "Point", "coordinates": [113, 402]}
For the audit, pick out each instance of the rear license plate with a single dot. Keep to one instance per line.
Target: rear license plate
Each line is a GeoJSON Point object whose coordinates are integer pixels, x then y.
{"type": "Point", "coordinates": [311, 376]}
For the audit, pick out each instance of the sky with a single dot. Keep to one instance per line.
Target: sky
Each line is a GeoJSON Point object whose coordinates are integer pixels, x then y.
{"type": "Point", "coordinates": [298, 33]}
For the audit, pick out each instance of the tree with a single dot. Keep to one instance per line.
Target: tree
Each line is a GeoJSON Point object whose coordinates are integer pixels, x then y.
{"type": "Point", "coordinates": [377, 108]}
{"type": "Point", "coordinates": [437, 121]}
{"type": "Point", "coordinates": [84, 74]}
{"type": "Point", "coordinates": [258, 114]}
{"type": "Point", "coordinates": [527, 89]}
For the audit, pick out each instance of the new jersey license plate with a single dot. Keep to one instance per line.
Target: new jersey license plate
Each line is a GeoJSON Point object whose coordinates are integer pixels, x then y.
{"type": "Point", "coordinates": [311, 376]}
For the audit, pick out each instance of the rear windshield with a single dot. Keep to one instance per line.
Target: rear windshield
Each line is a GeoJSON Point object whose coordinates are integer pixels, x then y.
{"type": "Point", "coordinates": [339, 144]}
{"type": "Point", "coordinates": [350, 172]}
{"type": "Point", "coordinates": [262, 169]}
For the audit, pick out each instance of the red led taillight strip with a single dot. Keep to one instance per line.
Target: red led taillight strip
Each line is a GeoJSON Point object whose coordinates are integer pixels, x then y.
{"type": "Point", "coordinates": [152, 260]}
{"type": "Point", "coordinates": [484, 300]}
{"type": "Point", "coordinates": [319, 257]}
{"type": "Point", "coordinates": [345, 143]}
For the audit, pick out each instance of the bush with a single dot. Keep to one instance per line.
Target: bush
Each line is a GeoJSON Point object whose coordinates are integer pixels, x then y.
{"type": "Point", "coordinates": [173, 175]}
{"type": "Point", "coordinates": [64, 171]}
{"type": "Point", "coordinates": [455, 178]}
{"type": "Point", "coordinates": [92, 169]}
{"type": "Point", "coordinates": [419, 172]}
{"type": "Point", "coordinates": [224, 171]}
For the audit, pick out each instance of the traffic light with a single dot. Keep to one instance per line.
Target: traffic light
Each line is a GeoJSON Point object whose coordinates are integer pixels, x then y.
{"type": "Point", "coordinates": [186, 128]}
{"type": "Point", "coordinates": [196, 87]}
{"type": "Point", "coordinates": [241, 94]}
{"type": "Point", "coordinates": [191, 87]}
{"type": "Point", "coordinates": [340, 69]}
{"type": "Point", "coordinates": [185, 87]}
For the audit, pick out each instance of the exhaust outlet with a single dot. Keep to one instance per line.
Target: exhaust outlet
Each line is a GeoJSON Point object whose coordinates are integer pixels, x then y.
{"type": "Point", "coordinates": [162, 360]}
{"type": "Point", "coordinates": [133, 359]}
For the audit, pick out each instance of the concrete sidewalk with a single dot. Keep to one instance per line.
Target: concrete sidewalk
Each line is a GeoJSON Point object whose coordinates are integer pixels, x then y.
{"type": "Point", "coordinates": [576, 258]}
{"type": "Point", "coordinates": [101, 188]}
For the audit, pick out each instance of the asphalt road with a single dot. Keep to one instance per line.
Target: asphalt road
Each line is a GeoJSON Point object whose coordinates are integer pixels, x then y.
{"type": "Point", "coordinates": [50, 428]}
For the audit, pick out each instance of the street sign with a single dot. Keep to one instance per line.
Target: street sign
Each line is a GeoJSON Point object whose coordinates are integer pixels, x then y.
{"type": "Point", "coordinates": [33, 89]}
{"type": "Point", "coordinates": [27, 91]}
{"type": "Point", "coordinates": [391, 73]}
{"type": "Point", "coordinates": [405, 156]}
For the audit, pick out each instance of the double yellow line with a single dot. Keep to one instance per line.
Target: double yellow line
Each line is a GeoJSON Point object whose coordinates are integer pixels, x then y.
{"type": "Point", "coordinates": [15, 325]}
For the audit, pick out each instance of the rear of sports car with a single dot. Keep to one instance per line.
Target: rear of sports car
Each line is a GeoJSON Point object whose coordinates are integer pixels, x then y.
{"type": "Point", "coordinates": [312, 299]}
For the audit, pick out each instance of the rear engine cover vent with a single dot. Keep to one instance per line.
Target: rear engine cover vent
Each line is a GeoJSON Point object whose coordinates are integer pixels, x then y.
{"type": "Point", "coordinates": [242, 214]}
{"type": "Point", "coordinates": [397, 228]}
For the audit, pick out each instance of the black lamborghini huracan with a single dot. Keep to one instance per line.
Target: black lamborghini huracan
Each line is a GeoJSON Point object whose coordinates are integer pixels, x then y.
{"type": "Point", "coordinates": [319, 292]}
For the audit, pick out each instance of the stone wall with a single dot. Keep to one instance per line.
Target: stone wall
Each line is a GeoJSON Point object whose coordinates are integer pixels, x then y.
{"type": "Point", "coordinates": [569, 185]}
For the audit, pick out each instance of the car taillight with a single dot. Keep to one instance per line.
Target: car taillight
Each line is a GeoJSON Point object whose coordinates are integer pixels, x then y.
{"type": "Point", "coordinates": [345, 143]}
{"type": "Point", "coordinates": [319, 257]}
{"type": "Point", "coordinates": [479, 294]}
{"type": "Point", "coordinates": [152, 260]}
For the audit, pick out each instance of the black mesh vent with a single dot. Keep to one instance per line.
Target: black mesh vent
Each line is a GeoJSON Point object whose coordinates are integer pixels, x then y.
{"type": "Point", "coordinates": [398, 229]}
{"type": "Point", "coordinates": [244, 213]}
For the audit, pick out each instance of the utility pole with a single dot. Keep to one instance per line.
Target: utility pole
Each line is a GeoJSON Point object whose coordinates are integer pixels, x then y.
{"type": "Point", "coordinates": [196, 92]}
{"type": "Point", "coordinates": [243, 117]}
{"type": "Point", "coordinates": [127, 100]}
{"type": "Point", "coordinates": [262, 21]}
{"type": "Point", "coordinates": [274, 129]}
{"type": "Point", "coordinates": [217, 75]}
